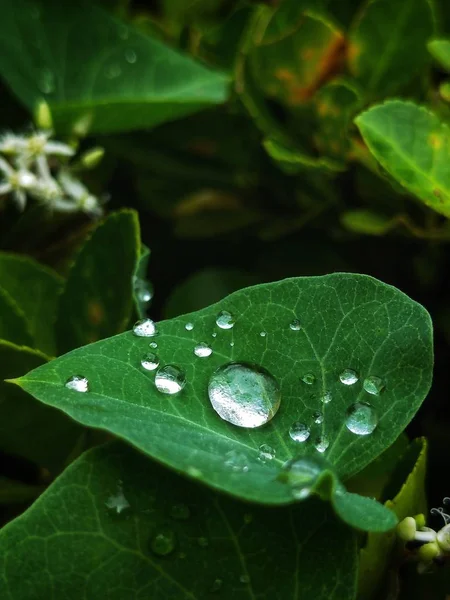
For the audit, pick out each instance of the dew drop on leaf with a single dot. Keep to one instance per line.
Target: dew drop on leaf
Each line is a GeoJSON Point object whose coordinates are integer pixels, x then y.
{"type": "Point", "coordinates": [299, 432]}
{"type": "Point", "coordinates": [263, 333]}
{"type": "Point", "coordinates": [189, 326]}
{"type": "Point", "coordinates": [295, 325]}
{"type": "Point", "coordinates": [317, 417]}
{"type": "Point", "coordinates": [153, 345]}
{"type": "Point", "coordinates": [348, 377]}
{"type": "Point", "coordinates": [374, 385]}
{"type": "Point", "coordinates": [78, 383]}
{"type": "Point", "coordinates": [225, 320]}
{"type": "Point", "coordinates": [300, 474]}
{"type": "Point", "coordinates": [170, 379]}
{"type": "Point", "coordinates": [144, 328]}
{"type": "Point", "coordinates": [231, 344]}
{"type": "Point", "coordinates": [361, 419]}
{"type": "Point", "coordinates": [236, 461]}
{"type": "Point", "coordinates": [326, 397]}
{"type": "Point", "coordinates": [308, 378]}
{"type": "Point", "coordinates": [117, 501]}
{"type": "Point", "coordinates": [202, 350]}
{"type": "Point", "coordinates": [180, 512]}
{"type": "Point", "coordinates": [130, 56]}
{"type": "Point", "coordinates": [143, 290]}
{"type": "Point", "coordinates": [266, 453]}
{"type": "Point", "coordinates": [321, 444]}
{"type": "Point", "coordinates": [163, 542]}
{"type": "Point", "coordinates": [150, 362]}
{"type": "Point", "coordinates": [243, 394]}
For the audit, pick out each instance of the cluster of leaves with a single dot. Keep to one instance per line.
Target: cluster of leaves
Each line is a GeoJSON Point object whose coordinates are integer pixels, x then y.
{"type": "Point", "coordinates": [313, 133]}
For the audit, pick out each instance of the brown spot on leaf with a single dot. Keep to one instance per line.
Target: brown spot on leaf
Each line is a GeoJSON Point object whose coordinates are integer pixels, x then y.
{"type": "Point", "coordinates": [353, 52]}
{"type": "Point", "coordinates": [438, 194]}
{"type": "Point", "coordinates": [435, 140]}
{"type": "Point", "coordinates": [96, 313]}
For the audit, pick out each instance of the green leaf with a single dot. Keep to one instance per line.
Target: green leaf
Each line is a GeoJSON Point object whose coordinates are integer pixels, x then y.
{"type": "Point", "coordinates": [293, 161]}
{"type": "Point", "coordinates": [69, 544]}
{"type": "Point", "coordinates": [388, 43]}
{"type": "Point", "coordinates": [120, 80]}
{"type": "Point", "coordinates": [142, 289]}
{"type": "Point", "coordinates": [409, 501]}
{"type": "Point", "coordinates": [347, 321]}
{"type": "Point", "coordinates": [413, 145]}
{"type": "Point", "coordinates": [28, 428]}
{"type": "Point", "coordinates": [440, 51]}
{"type": "Point", "coordinates": [13, 324]}
{"type": "Point", "coordinates": [97, 300]}
{"type": "Point", "coordinates": [367, 221]}
{"type": "Point", "coordinates": [35, 289]}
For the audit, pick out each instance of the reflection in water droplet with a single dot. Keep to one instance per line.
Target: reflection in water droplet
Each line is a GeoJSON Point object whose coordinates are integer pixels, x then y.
{"type": "Point", "coordinates": [117, 501]}
{"type": "Point", "coordinates": [163, 542]}
{"type": "Point", "coordinates": [374, 385]}
{"type": "Point", "coordinates": [321, 444]}
{"type": "Point", "coordinates": [180, 512]}
{"type": "Point", "coordinates": [361, 419]}
{"type": "Point", "coordinates": [150, 362]}
{"type": "Point", "coordinates": [153, 345]}
{"type": "Point", "coordinates": [214, 334]}
{"type": "Point", "coordinates": [143, 290]}
{"type": "Point", "coordinates": [217, 585]}
{"type": "Point", "coordinates": [189, 326]}
{"type": "Point", "coordinates": [130, 56]}
{"type": "Point", "coordinates": [317, 417]}
{"type": "Point", "coordinates": [202, 542]}
{"type": "Point", "coordinates": [113, 71]}
{"type": "Point", "coordinates": [244, 579]}
{"type": "Point", "coordinates": [295, 325]}
{"type": "Point", "coordinates": [266, 453]}
{"type": "Point", "coordinates": [263, 333]}
{"type": "Point", "coordinates": [144, 328]}
{"type": "Point", "coordinates": [78, 383]}
{"type": "Point", "coordinates": [308, 378]}
{"type": "Point", "coordinates": [244, 395]}
{"type": "Point", "coordinates": [170, 380]}
{"type": "Point", "coordinates": [225, 320]}
{"type": "Point", "coordinates": [46, 81]}
{"type": "Point", "coordinates": [348, 377]}
{"type": "Point", "coordinates": [236, 461]}
{"type": "Point", "coordinates": [299, 432]}
{"type": "Point", "coordinates": [326, 397]}
{"type": "Point", "coordinates": [202, 350]}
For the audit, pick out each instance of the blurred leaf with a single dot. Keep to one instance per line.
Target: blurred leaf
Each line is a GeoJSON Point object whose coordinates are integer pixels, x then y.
{"type": "Point", "coordinates": [97, 299]}
{"type": "Point", "coordinates": [120, 79]}
{"type": "Point", "coordinates": [440, 51]}
{"type": "Point", "coordinates": [142, 289]}
{"type": "Point", "coordinates": [35, 289]}
{"type": "Point", "coordinates": [413, 145]}
{"type": "Point", "coordinates": [293, 161]}
{"type": "Point", "coordinates": [388, 44]}
{"type": "Point", "coordinates": [168, 538]}
{"type": "Point", "coordinates": [367, 221]}
{"type": "Point", "coordinates": [13, 323]}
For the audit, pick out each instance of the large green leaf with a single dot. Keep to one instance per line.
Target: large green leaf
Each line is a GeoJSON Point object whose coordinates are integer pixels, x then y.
{"type": "Point", "coordinates": [413, 145]}
{"type": "Point", "coordinates": [97, 300]}
{"type": "Point", "coordinates": [346, 321]}
{"type": "Point", "coordinates": [119, 79]}
{"type": "Point", "coordinates": [13, 324]}
{"type": "Point", "coordinates": [164, 537]}
{"type": "Point", "coordinates": [388, 43]}
{"type": "Point", "coordinates": [35, 290]}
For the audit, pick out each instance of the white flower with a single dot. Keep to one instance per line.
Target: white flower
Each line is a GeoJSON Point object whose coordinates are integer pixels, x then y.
{"type": "Point", "coordinates": [84, 201]}
{"type": "Point", "coordinates": [28, 148]}
{"type": "Point", "coordinates": [17, 182]}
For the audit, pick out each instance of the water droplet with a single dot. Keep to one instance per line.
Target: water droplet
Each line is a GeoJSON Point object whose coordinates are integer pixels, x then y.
{"type": "Point", "coordinates": [308, 378]}
{"type": "Point", "coordinates": [143, 290]}
{"type": "Point", "coordinates": [321, 444]}
{"type": "Point", "coordinates": [244, 579]}
{"type": "Point", "coordinates": [244, 395]}
{"type": "Point", "coordinates": [263, 333]}
{"type": "Point", "coordinates": [301, 474]}
{"type": "Point", "coordinates": [326, 397]}
{"type": "Point", "coordinates": [317, 417]}
{"type": "Point", "coordinates": [194, 472]}
{"type": "Point", "coordinates": [46, 81]}
{"type": "Point", "coordinates": [180, 512]}
{"type": "Point", "coordinates": [202, 542]}
{"type": "Point", "coordinates": [373, 385]}
{"type": "Point", "coordinates": [163, 543]}
{"type": "Point", "coordinates": [202, 350]}
{"type": "Point", "coordinates": [77, 383]}
{"type": "Point", "coordinates": [145, 328]}
{"type": "Point", "coordinates": [231, 344]}
{"type": "Point", "coordinates": [225, 320]}
{"type": "Point", "coordinates": [130, 56]}
{"type": "Point", "coordinates": [236, 461]}
{"type": "Point", "coordinates": [113, 71]}
{"type": "Point", "coordinates": [117, 501]}
{"type": "Point", "coordinates": [295, 325]}
{"type": "Point", "coordinates": [150, 362]}
{"type": "Point", "coordinates": [217, 585]}
{"type": "Point", "coordinates": [266, 453]}
{"type": "Point", "coordinates": [348, 377]}
{"type": "Point", "coordinates": [189, 326]}
{"type": "Point", "coordinates": [153, 345]}
{"type": "Point", "coordinates": [214, 334]}
{"type": "Point", "coordinates": [299, 432]}
{"type": "Point", "coordinates": [170, 380]}
{"type": "Point", "coordinates": [362, 418]}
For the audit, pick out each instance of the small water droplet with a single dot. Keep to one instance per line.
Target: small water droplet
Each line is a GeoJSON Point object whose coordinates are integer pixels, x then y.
{"type": "Point", "coordinates": [299, 432]}
{"type": "Point", "coordinates": [295, 325]}
{"type": "Point", "coordinates": [263, 333]}
{"type": "Point", "coordinates": [231, 344]}
{"type": "Point", "coordinates": [202, 542]}
{"type": "Point", "coordinates": [308, 378]}
{"type": "Point", "coordinates": [130, 56]}
{"type": "Point", "coordinates": [361, 419]}
{"type": "Point", "coordinates": [326, 397]}
{"type": "Point", "coordinates": [244, 579]}
{"type": "Point", "coordinates": [117, 501]}
{"type": "Point", "coordinates": [321, 444]}
{"type": "Point", "coordinates": [194, 472]}
{"type": "Point", "coordinates": [214, 334]}
{"type": "Point", "coordinates": [217, 585]}
{"type": "Point", "coordinates": [202, 350]}
{"type": "Point", "coordinates": [163, 542]}
{"type": "Point", "coordinates": [170, 379]}
{"type": "Point", "coordinates": [236, 461]}
{"type": "Point", "coordinates": [348, 377]}
{"type": "Point", "coordinates": [189, 326]}
{"type": "Point", "coordinates": [301, 474]}
{"type": "Point", "coordinates": [145, 328]}
{"type": "Point", "coordinates": [266, 453]}
{"type": "Point", "coordinates": [153, 345]}
{"type": "Point", "coordinates": [180, 512]}
{"type": "Point", "coordinates": [150, 362]}
{"type": "Point", "coordinates": [244, 395]}
{"type": "Point", "coordinates": [317, 417]}
{"type": "Point", "coordinates": [46, 81]}
{"type": "Point", "coordinates": [374, 385]}
{"type": "Point", "coordinates": [143, 290]}
{"type": "Point", "coordinates": [225, 320]}
{"type": "Point", "coordinates": [77, 383]}
{"type": "Point", "coordinates": [113, 71]}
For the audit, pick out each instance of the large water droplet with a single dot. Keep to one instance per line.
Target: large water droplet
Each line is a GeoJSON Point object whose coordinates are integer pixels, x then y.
{"type": "Point", "coordinates": [77, 383]}
{"type": "Point", "coordinates": [299, 432]}
{"type": "Point", "coordinates": [317, 417]}
{"type": "Point", "coordinates": [150, 362]}
{"type": "Point", "coordinates": [301, 474]}
{"type": "Point", "coordinates": [180, 512]}
{"type": "Point", "coordinates": [266, 453]}
{"type": "Point", "coordinates": [130, 56]}
{"type": "Point", "coordinates": [164, 542]}
{"type": "Point", "coordinates": [225, 320]}
{"type": "Point", "coordinates": [117, 501]}
{"type": "Point", "coordinates": [244, 395]}
{"type": "Point", "coordinates": [189, 326]}
{"type": "Point", "coordinates": [202, 350]}
{"type": "Point", "coordinates": [46, 81]}
{"type": "Point", "coordinates": [361, 419]}
{"type": "Point", "coordinates": [236, 461]}
{"type": "Point", "coordinates": [321, 444]}
{"type": "Point", "coordinates": [170, 379]}
{"type": "Point", "coordinates": [326, 397]}
{"type": "Point", "coordinates": [308, 378]}
{"type": "Point", "coordinates": [295, 325]}
{"type": "Point", "coordinates": [348, 377]}
{"type": "Point", "coordinates": [373, 385]}
{"type": "Point", "coordinates": [145, 328]}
